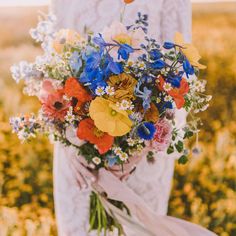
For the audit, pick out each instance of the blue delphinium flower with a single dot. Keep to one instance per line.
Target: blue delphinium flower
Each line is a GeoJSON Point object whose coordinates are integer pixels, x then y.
{"type": "Point", "coordinates": [112, 66]}
{"type": "Point", "coordinates": [145, 95]}
{"type": "Point", "coordinates": [168, 45]}
{"type": "Point", "coordinates": [75, 62]}
{"type": "Point", "coordinates": [124, 51]}
{"type": "Point", "coordinates": [158, 64]}
{"type": "Point", "coordinates": [155, 54]}
{"type": "Point", "coordinates": [174, 79]}
{"type": "Point", "coordinates": [93, 61]}
{"type": "Point", "coordinates": [98, 40]}
{"type": "Point", "coordinates": [188, 68]}
{"type": "Point", "coordinates": [93, 79]}
{"type": "Point", "coordinates": [146, 130]}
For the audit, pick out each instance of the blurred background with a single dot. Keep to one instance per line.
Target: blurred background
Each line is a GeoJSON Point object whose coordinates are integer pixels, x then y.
{"type": "Point", "coordinates": [204, 190]}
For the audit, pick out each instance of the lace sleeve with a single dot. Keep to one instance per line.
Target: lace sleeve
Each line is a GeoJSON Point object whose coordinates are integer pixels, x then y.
{"type": "Point", "coordinates": [176, 17]}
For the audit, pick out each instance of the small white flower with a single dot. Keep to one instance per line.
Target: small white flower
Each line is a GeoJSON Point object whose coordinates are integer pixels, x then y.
{"type": "Point", "coordinates": [117, 150]}
{"type": "Point", "coordinates": [141, 65]}
{"type": "Point", "coordinates": [100, 91]}
{"type": "Point", "coordinates": [96, 160]}
{"type": "Point", "coordinates": [168, 98]}
{"type": "Point", "coordinates": [167, 87]}
{"type": "Point", "coordinates": [125, 105]}
{"type": "Point", "coordinates": [110, 90]}
{"type": "Point", "coordinates": [123, 156]}
{"type": "Point", "coordinates": [131, 142]}
{"type": "Point", "coordinates": [70, 117]}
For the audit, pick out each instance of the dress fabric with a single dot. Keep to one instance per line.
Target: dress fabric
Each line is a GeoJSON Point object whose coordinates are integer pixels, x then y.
{"type": "Point", "coordinates": [150, 181]}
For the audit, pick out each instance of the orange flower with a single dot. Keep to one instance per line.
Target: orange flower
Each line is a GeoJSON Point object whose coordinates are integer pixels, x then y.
{"type": "Point", "coordinates": [74, 89]}
{"type": "Point", "coordinates": [177, 93]}
{"type": "Point", "coordinates": [128, 1]}
{"type": "Point", "coordinates": [54, 106]}
{"type": "Point", "coordinates": [89, 132]}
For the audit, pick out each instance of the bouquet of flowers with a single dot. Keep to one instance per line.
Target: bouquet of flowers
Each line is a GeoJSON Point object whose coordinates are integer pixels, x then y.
{"type": "Point", "coordinates": [116, 92]}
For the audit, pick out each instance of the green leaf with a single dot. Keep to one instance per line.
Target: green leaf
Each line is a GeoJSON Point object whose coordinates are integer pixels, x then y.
{"type": "Point", "coordinates": [183, 160]}
{"type": "Point", "coordinates": [170, 149]}
{"type": "Point", "coordinates": [179, 146]}
{"type": "Point", "coordinates": [188, 134]}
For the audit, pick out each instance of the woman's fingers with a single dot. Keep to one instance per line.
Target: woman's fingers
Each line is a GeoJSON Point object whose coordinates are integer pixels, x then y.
{"type": "Point", "coordinates": [82, 183]}
{"type": "Point", "coordinates": [83, 170]}
{"type": "Point", "coordinates": [87, 173]}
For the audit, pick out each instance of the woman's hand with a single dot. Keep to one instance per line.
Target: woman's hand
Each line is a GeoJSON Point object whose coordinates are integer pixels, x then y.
{"type": "Point", "coordinates": [127, 170]}
{"type": "Point", "coordinates": [82, 170]}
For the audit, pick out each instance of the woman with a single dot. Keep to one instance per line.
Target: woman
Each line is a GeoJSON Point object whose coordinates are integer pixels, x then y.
{"type": "Point", "coordinates": [70, 186]}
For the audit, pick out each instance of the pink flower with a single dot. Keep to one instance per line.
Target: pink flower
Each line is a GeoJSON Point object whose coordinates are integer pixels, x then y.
{"type": "Point", "coordinates": [55, 106]}
{"type": "Point", "coordinates": [48, 87]}
{"type": "Point", "coordinates": [162, 136]}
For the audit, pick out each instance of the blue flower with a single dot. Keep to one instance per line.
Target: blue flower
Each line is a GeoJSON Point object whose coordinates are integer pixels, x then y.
{"type": "Point", "coordinates": [93, 61]}
{"type": "Point", "coordinates": [188, 68]}
{"type": "Point", "coordinates": [93, 79]}
{"type": "Point", "coordinates": [146, 130]}
{"type": "Point", "coordinates": [112, 159]}
{"type": "Point", "coordinates": [75, 62]}
{"type": "Point", "coordinates": [158, 64]}
{"type": "Point", "coordinates": [112, 66]}
{"type": "Point", "coordinates": [145, 95]}
{"type": "Point", "coordinates": [124, 51]}
{"type": "Point", "coordinates": [155, 54]}
{"type": "Point", "coordinates": [175, 80]}
{"type": "Point", "coordinates": [163, 106]}
{"type": "Point", "coordinates": [168, 45]}
{"type": "Point", "coordinates": [100, 41]}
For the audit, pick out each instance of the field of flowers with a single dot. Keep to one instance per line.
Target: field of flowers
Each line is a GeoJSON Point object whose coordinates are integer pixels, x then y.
{"type": "Point", "coordinates": [204, 190]}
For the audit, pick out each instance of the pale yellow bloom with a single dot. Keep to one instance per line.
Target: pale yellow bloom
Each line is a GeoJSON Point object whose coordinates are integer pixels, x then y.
{"type": "Point", "coordinates": [66, 36]}
{"type": "Point", "coordinates": [189, 50]}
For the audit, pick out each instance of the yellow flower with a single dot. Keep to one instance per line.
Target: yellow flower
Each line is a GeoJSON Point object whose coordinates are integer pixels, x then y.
{"type": "Point", "coordinates": [109, 118]}
{"type": "Point", "coordinates": [124, 87]}
{"type": "Point", "coordinates": [66, 36]}
{"type": "Point", "coordinates": [189, 50]}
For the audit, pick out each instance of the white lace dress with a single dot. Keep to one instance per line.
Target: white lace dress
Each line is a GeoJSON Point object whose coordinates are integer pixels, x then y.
{"type": "Point", "coordinates": [151, 182]}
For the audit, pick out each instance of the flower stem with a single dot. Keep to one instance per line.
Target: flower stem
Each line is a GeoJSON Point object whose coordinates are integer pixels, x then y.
{"type": "Point", "coordinates": [122, 13]}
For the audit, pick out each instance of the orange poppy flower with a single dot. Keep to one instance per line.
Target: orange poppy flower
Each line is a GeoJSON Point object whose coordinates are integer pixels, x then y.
{"type": "Point", "coordinates": [176, 93]}
{"type": "Point", "coordinates": [128, 1]}
{"type": "Point", "coordinates": [74, 89]}
{"type": "Point", "coordinates": [89, 132]}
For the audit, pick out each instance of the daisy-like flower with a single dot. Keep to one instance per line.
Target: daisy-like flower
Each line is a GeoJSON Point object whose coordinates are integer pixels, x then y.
{"type": "Point", "coordinates": [141, 65]}
{"type": "Point", "coordinates": [70, 117]}
{"type": "Point", "coordinates": [131, 142]}
{"type": "Point", "coordinates": [168, 98]}
{"type": "Point", "coordinates": [123, 156]}
{"type": "Point", "coordinates": [96, 160]}
{"type": "Point", "coordinates": [117, 151]}
{"type": "Point", "coordinates": [100, 91]}
{"type": "Point", "coordinates": [125, 105]}
{"type": "Point", "coordinates": [167, 87]}
{"type": "Point", "coordinates": [110, 90]}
